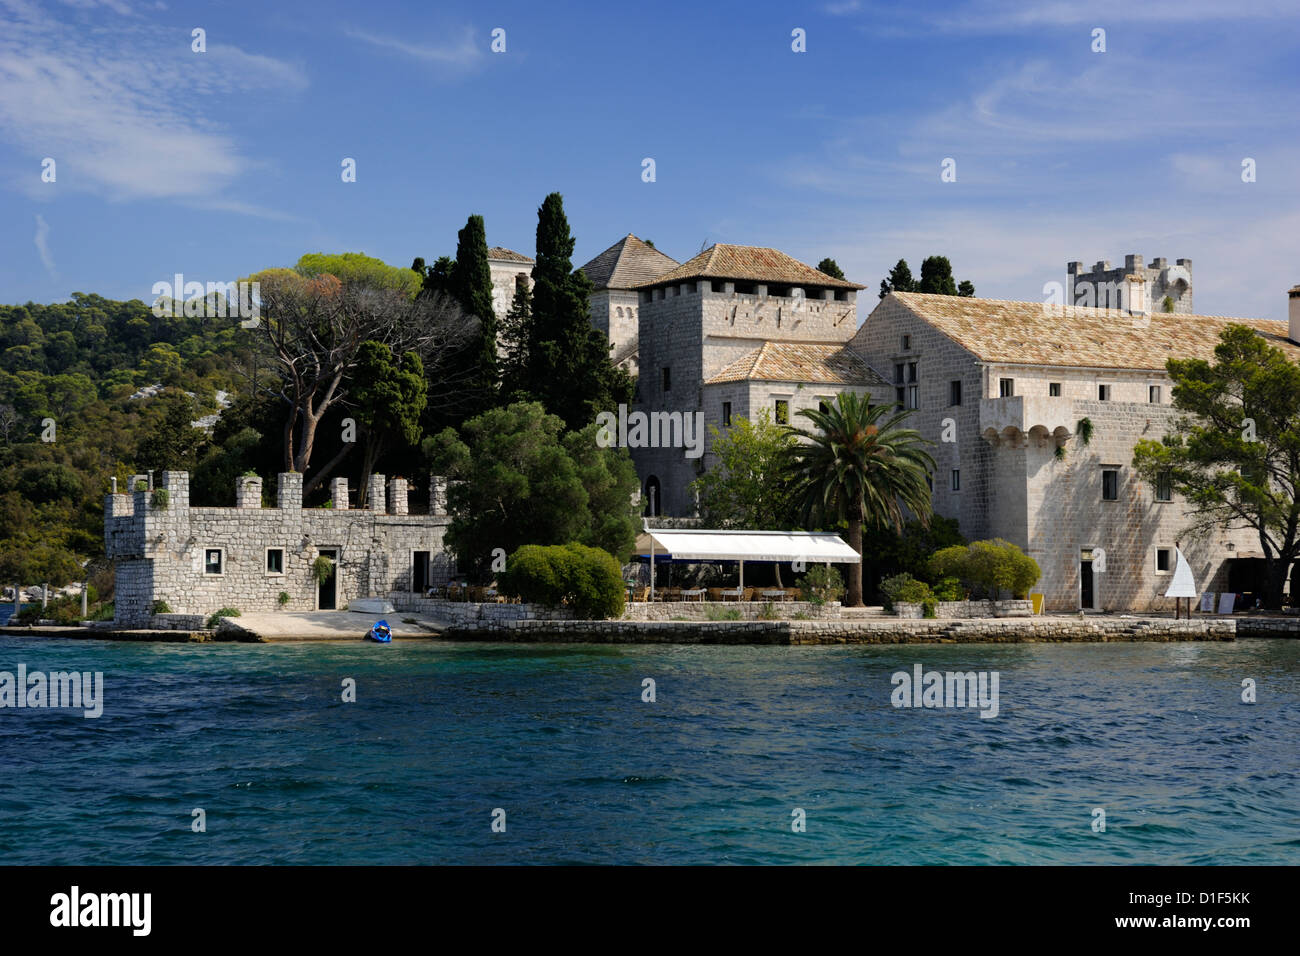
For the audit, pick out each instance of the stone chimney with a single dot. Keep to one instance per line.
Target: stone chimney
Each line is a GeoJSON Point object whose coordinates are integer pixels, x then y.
{"type": "Point", "coordinates": [1293, 315]}
{"type": "Point", "coordinates": [1135, 292]}
{"type": "Point", "coordinates": [248, 492]}
{"type": "Point", "coordinates": [437, 495]}
{"type": "Point", "coordinates": [339, 494]}
{"type": "Point", "coordinates": [398, 500]}
{"type": "Point", "coordinates": [375, 494]}
{"type": "Point", "coordinates": [288, 493]}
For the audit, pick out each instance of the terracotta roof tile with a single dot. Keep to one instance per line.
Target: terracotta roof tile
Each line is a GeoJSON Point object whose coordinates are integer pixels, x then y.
{"type": "Point", "coordinates": [508, 255]}
{"type": "Point", "coordinates": [1034, 333]}
{"type": "Point", "coordinates": [815, 363]}
{"type": "Point", "coordinates": [749, 264]}
{"type": "Point", "coordinates": [626, 264]}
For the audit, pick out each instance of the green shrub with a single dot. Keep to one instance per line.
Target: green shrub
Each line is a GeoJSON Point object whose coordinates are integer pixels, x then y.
{"type": "Point", "coordinates": [906, 589]}
{"type": "Point", "coordinates": [990, 566]}
{"type": "Point", "coordinates": [29, 614]}
{"type": "Point", "coordinates": [721, 613]}
{"type": "Point", "coordinates": [587, 579]}
{"type": "Point", "coordinates": [822, 583]}
{"type": "Point", "coordinates": [929, 607]}
{"type": "Point", "coordinates": [216, 617]}
{"type": "Point", "coordinates": [160, 498]}
{"type": "Point", "coordinates": [283, 599]}
{"type": "Point", "coordinates": [890, 587]}
{"type": "Point", "coordinates": [949, 589]}
{"type": "Point", "coordinates": [161, 607]}
{"type": "Point", "coordinates": [768, 612]}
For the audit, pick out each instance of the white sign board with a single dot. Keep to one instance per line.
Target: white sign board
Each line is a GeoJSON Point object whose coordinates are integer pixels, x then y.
{"type": "Point", "coordinates": [1226, 601]}
{"type": "Point", "coordinates": [1207, 602]}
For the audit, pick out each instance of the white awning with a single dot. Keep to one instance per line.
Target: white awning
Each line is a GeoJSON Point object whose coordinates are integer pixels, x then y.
{"type": "Point", "coordinates": [812, 547]}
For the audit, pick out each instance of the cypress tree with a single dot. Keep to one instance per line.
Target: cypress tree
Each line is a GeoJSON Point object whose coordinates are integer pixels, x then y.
{"type": "Point", "coordinates": [569, 367]}
{"type": "Point", "coordinates": [470, 282]}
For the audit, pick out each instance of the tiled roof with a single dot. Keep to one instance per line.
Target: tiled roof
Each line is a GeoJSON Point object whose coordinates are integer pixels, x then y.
{"type": "Point", "coordinates": [750, 264]}
{"type": "Point", "coordinates": [626, 264]}
{"type": "Point", "coordinates": [816, 363]}
{"type": "Point", "coordinates": [508, 255]}
{"type": "Point", "coordinates": [1033, 333]}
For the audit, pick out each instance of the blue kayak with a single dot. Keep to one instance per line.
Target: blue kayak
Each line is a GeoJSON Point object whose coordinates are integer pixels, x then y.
{"type": "Point", "coordinates": [381, 633]}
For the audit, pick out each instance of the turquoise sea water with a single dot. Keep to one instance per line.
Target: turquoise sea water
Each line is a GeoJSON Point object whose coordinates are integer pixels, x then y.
{"type": "Point", "coordinates": [558, 736]}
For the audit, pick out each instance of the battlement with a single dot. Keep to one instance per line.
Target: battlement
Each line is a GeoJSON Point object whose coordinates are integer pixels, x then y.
{"type": "Point", "coordinates": [1135, 286]}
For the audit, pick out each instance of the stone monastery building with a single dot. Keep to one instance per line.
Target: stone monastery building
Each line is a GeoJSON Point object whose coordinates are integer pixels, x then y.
{"type": "Point", "coordinates": [1034, 410]}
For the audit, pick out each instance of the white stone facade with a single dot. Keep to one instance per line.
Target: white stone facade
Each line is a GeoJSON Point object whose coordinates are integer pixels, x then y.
{"type": "Point", "coordinates": [164, 552]}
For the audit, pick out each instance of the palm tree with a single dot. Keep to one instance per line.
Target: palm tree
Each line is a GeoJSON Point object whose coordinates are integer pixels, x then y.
{"type": "Point", "coordinates": [862, 466]}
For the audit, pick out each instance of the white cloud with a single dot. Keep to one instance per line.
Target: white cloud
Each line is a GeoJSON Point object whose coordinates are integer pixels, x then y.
{"type": "Point", "coordinates": [124, 108]}
{"type": "Point", "coordinates": [464, 51]}
{"type": "Point", "coordinates": [43, 246]}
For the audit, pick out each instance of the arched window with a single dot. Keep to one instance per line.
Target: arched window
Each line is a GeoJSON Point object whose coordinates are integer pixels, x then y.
{"type": "Point", "coordinates": [620, 312]}
{"type": "Point", "coordinates": [653, 504]}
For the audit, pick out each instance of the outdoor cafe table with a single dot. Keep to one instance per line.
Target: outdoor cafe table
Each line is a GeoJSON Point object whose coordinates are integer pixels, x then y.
{"type": "Point", "coordinates": [777, 595]}
{"type": "Point", "coordinates": [689, 593]}
{"type": "Point", "coordinates": [732, 592]}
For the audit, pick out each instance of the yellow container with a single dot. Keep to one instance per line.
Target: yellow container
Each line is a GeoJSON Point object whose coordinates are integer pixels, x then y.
{"type": "Point", "coordinates": [1038, 603]}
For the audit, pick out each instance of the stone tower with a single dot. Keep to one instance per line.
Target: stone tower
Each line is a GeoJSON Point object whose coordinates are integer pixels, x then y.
{"type": "Point", "coordinates": [1158, 287]}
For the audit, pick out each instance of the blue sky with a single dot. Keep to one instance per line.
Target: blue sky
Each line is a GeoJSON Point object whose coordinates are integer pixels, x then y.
{"type": "Point", "coordinates": [222, 163]}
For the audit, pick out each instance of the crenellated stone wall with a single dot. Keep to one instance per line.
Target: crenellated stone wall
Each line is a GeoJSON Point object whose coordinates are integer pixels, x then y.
{"type": "Point", "coordinates": [199, 560]}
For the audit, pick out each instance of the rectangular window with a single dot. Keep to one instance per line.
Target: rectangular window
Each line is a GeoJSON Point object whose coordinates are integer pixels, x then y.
{"type": "Point", "coordinates": [899, 394]}
{"type": "Point", "coordinates": [914, 396]}
{"type": "Point", "coordinates": [1164, 486]}
{"type": "Point", "coordinates": [898, 373]}
{"type": "Point", "coordinates": [1153, 394]}
{"type": "Point", "coordinates": [1103, 393]}
{"type": "Point", "coordinates": [213, 561]}
{"type": "Point", "coordinates": [726, 413]}
{"type": "Point", "coordinates": [907, 343]}
{"type": "Point", "coordinates": [1110, 484]}
{"type": "Point", "coordinates": [824, 405]}
{"type": "Point", "coordinates": [275, 560]}
{"type": "Point", "coordinates": [783, 411]}
{"type": "Point", "coordinates": [1054, 389]}
{"type": "Point", "coordinates": [954, 392]}
{"type": "Point", "coordinates": [956, 479]}
{"type": "Point", "coordinates": [1162, 560]}
{"type": "Point", "coordinates": [668, 380]}
{"type": "Point", "coordinates": [911, 371]}
{"type": "Point", "coordinates": [1006, 387]}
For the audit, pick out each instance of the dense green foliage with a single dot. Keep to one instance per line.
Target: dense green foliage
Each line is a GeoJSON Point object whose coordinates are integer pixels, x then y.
{"type": "Point", "coordinates": [586, 579]}
{"type": "Point", "coordinates": [751, 482]}
{"type": "Point", "coordinates": [518, 479]}
{"type": "Point", "coordinates": [822, 583]}
{"type": "Point", "coordinates": [936, 279]}
{"type": "Point", "coordinates": [990, 566]}
{"type": "Point", "coordinates": [1234, 452]}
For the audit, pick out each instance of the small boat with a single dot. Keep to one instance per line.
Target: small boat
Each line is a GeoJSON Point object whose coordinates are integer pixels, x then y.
{"type": "Point", "coordinates": [380, 633]}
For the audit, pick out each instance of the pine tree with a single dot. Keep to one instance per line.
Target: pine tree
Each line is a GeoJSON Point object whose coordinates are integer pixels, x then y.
{"type": "Point", "coordinates": [900, 280]}
{"type": "Point", "coordinates": [936, 277]}
{"type": "Point", "coordinates": [831, 268]}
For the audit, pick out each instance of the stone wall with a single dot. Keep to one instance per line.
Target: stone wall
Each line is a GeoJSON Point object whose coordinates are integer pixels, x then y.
{"type": "Point", "coordinates": [749, 610]}
{"type": "Point", "coordinates": [1014, 630]}
{"type": "Point", "coordinates": [966, 610]}
{"type": "Point", "coordinates": [162, 553]}
{"type": "Point", "coordinates": [469, 612]}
